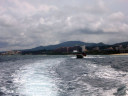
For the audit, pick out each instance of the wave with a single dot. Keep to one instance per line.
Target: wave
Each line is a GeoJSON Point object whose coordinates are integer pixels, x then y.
{"type": "Point", "coordinates": [84, 78]}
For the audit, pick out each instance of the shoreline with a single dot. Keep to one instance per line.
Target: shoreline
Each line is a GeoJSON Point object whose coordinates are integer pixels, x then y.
{"type": "Point", "coordinates": [120, 54]}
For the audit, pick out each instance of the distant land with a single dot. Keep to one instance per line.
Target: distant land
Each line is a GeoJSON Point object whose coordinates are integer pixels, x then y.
{"type": "Point", "coordinates": [65, 44]}
{"type": "Point", "coordinates": [69, 46]}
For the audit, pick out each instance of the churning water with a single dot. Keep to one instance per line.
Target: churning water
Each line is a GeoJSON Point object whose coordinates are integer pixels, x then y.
{"type": "Point", "coordinates": [63, 76]}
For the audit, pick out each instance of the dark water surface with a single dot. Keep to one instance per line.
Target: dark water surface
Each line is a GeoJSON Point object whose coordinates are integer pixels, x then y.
{"type": "Point", "coordinates": [95, 75]}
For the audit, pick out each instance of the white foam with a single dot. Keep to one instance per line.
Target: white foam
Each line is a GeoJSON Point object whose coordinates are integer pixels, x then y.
{"type": "Point", "coordinates": [94, 56]}
{"type": "Point", "coordinates": [107, 72]}
{"type": "Point", "coordinates": [73, 57]}
{"type": "Point", "coordinates": [33, 79]}
{"type": "Point", "coordinates": [91, 56]}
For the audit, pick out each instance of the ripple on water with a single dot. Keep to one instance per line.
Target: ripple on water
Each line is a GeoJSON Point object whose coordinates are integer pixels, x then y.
{"type": "Point", "coordinates": [83, 78]}
{"type": "Point", "coordinates": [63, 77]}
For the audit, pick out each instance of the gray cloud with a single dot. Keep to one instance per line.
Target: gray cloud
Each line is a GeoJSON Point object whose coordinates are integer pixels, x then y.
{"type": "Point", "coordinates": [3, 44]}
{"type": "Point", "coordinates": [30, 23]}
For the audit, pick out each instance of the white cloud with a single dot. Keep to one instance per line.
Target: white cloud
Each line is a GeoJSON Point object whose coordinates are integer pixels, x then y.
{"type": "Point", "coordinates": [42, 21]}
{"type": "Point", "coordinates": [2, 10]}
{"type": "Point", "coordinates": [98, 8]}
{"type": "Point", "coordinates": [25, 8]}
{"type": "Point", "coordinates": [46, 8]}
{"type": "Point", "coordinates": [118, 16]}
{"type": "Point", "coordinates": [29, 23]}
{"type": "Point", "coordinates": [7, 20]}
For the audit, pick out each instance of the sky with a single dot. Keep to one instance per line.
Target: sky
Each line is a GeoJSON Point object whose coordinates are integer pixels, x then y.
{"type": "Point", "coordinates": [30, 23]}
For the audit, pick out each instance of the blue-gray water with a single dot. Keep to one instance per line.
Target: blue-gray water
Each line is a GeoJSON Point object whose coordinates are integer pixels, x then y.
{"type": "Point", "coordinates": [63, 76]}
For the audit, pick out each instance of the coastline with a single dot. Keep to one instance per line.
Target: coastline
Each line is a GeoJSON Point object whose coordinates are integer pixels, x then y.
{"type": "Point", "coordinates": [120, 54]}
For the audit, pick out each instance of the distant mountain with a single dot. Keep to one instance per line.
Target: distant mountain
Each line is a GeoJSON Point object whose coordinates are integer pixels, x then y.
{"type": "Point", "coordinates": [123, 44]}
{"type": "Point", "coordinates": [65, 44]}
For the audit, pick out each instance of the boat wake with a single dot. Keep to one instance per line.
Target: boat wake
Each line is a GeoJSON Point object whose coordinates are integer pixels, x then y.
{"type": "Point", "coordinates": [64, 76]}
{"type": "Point", "coordinates": [37, 79]}
{"type": "Point", "coordinates": [90, 56]}
{"type": "Point", "coordinates": [83, 78]}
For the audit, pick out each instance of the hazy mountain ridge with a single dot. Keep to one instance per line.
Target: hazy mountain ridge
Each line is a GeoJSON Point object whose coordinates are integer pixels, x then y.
{"type": "Point", "coordinates": [74, 43]}
{"type": "Point", "coordinates": [92, 48]}
{"type": "Point", "coordinates": [122, 43]}
{"type": "Point", "coordinates": [66, 44]}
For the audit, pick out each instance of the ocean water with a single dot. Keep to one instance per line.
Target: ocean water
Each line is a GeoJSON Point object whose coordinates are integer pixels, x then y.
{"type": "Point", "coordinates": [95, 75]}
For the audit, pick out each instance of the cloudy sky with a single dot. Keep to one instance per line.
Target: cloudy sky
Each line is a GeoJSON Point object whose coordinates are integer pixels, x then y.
{"type": "Point", "coordinates": [30, 23]}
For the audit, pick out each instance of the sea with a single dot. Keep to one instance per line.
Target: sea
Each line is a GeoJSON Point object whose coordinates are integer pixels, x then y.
{"type": "Point", "coordinates": [63, 75]}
